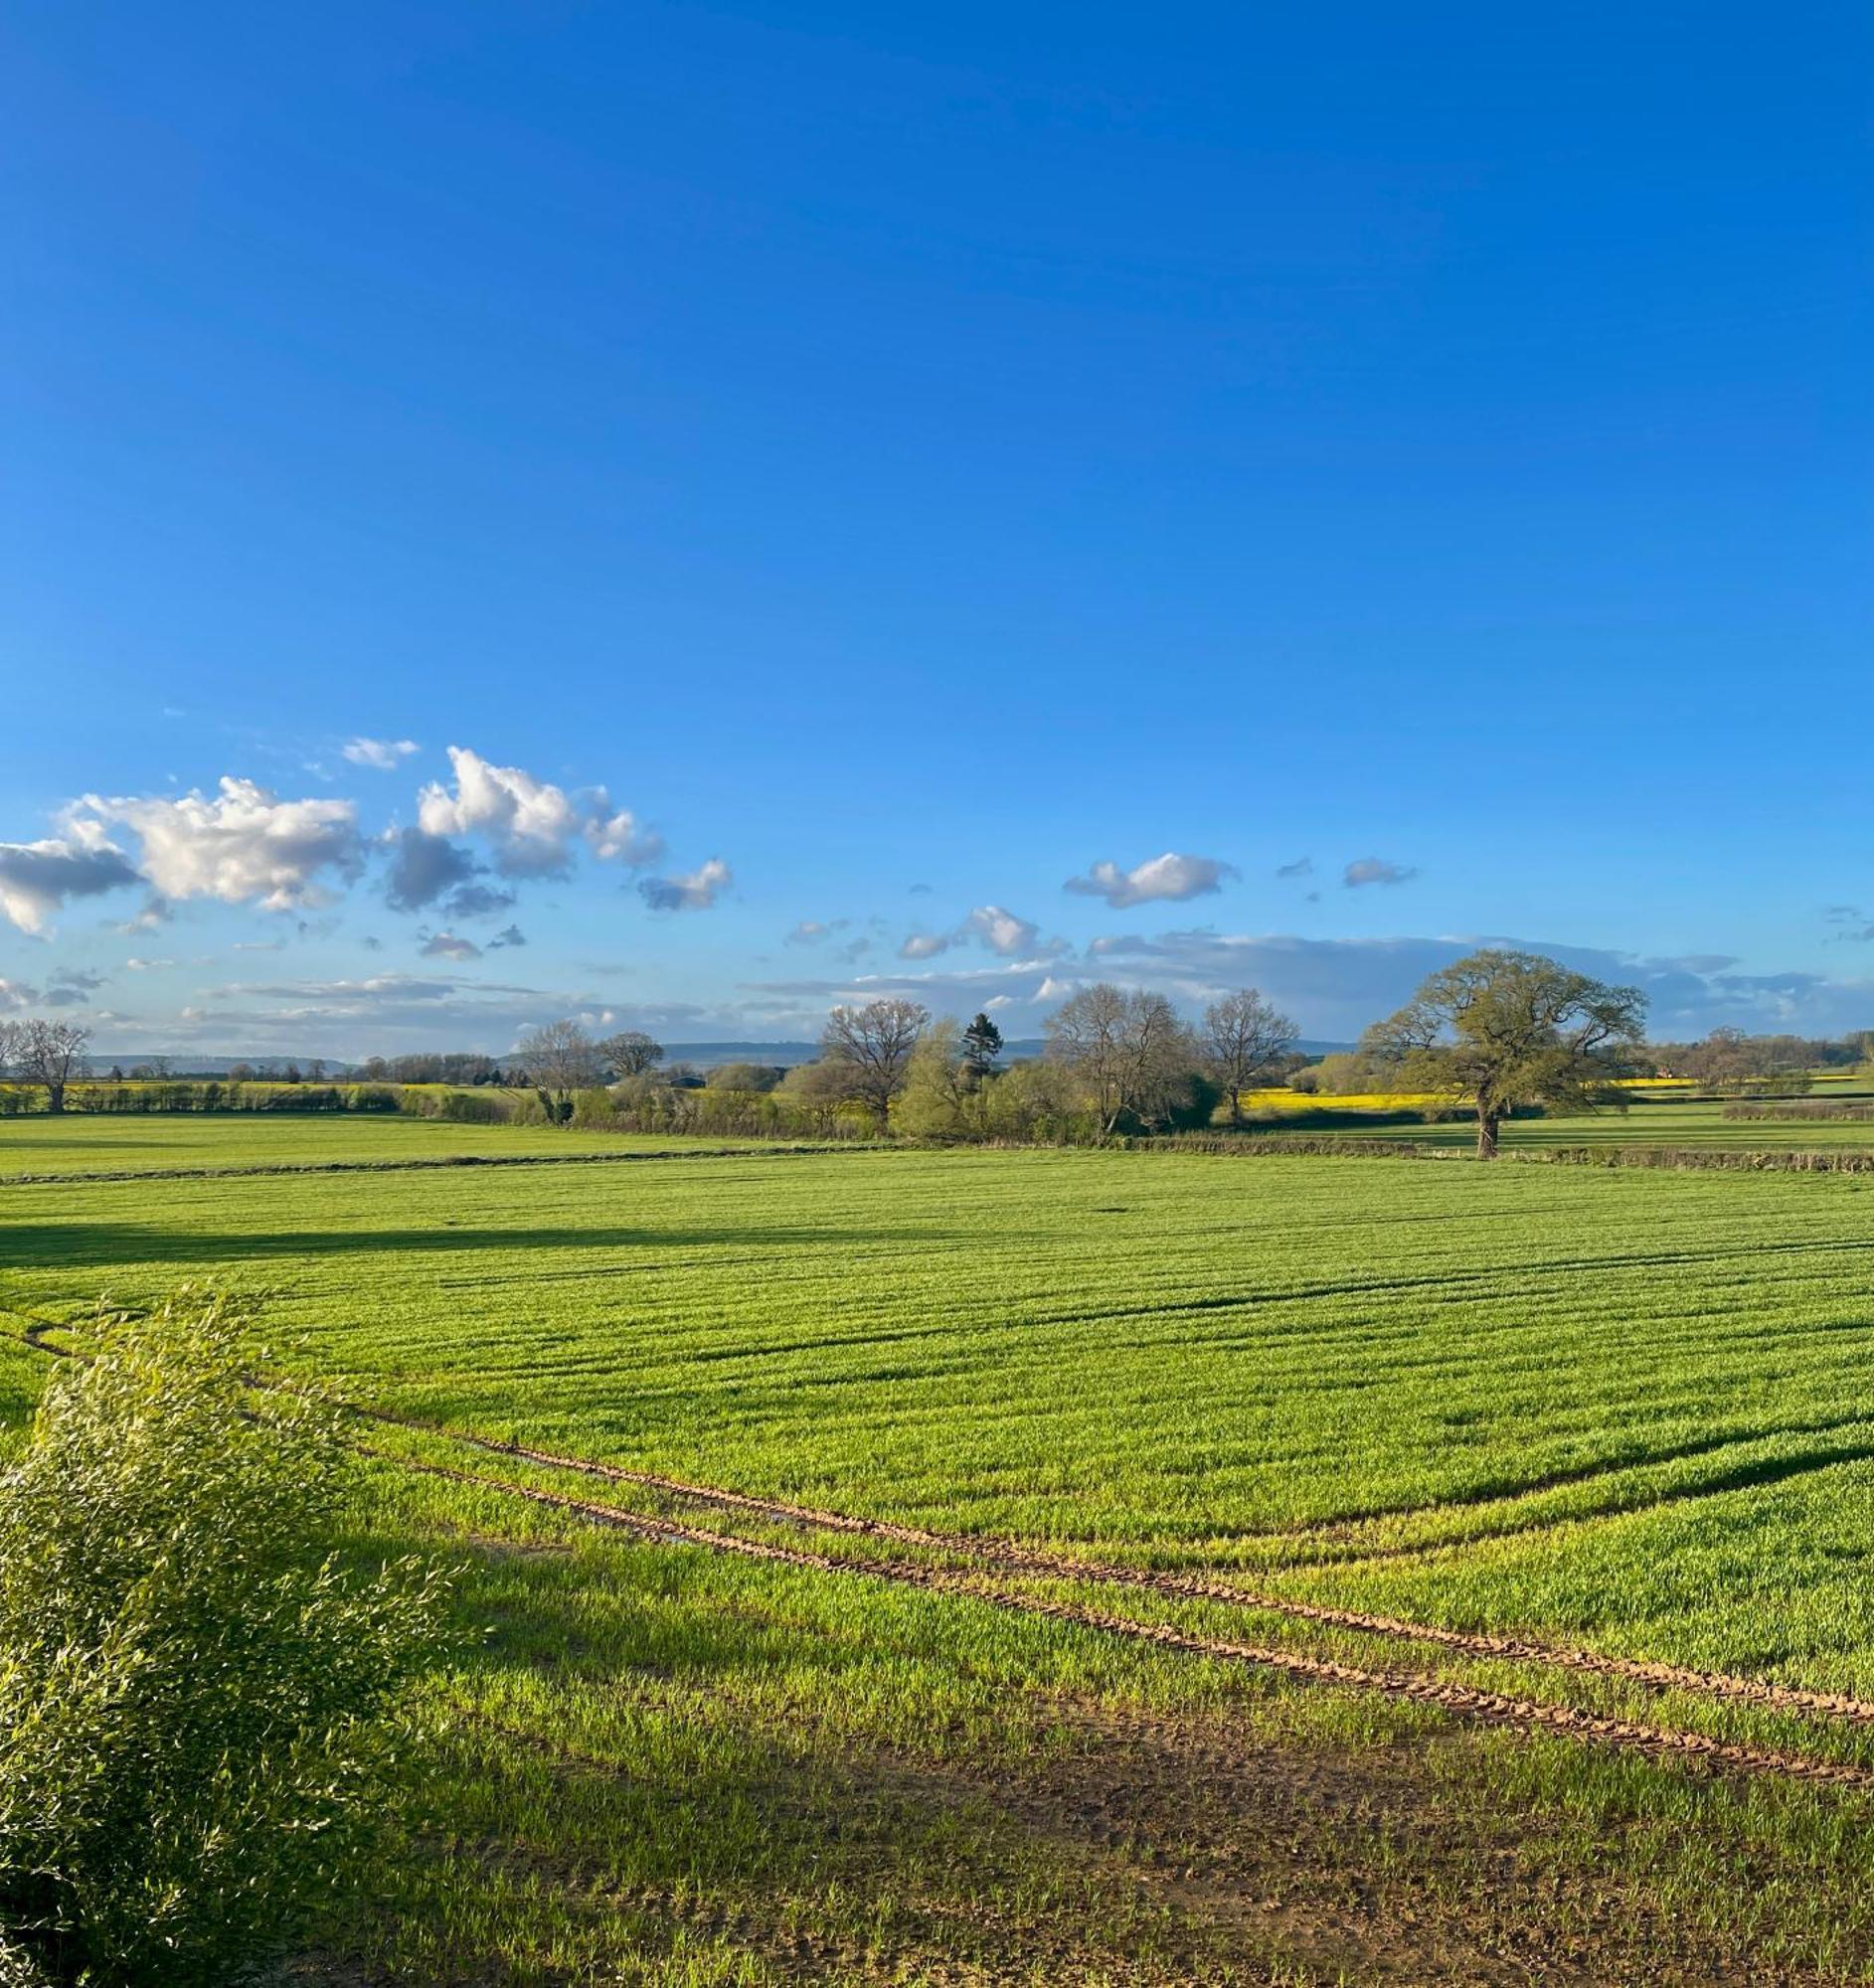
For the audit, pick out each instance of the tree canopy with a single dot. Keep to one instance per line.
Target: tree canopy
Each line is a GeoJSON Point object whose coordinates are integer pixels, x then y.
{"type": "Point", "coordinates": [1512, 1027]}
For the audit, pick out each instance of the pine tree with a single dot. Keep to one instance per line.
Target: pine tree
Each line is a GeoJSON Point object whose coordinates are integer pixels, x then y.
{"type": "Point", "coordinates": [982, 1046]}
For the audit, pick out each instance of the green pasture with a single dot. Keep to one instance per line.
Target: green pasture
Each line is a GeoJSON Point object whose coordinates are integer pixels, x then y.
{"type": "Point", "coordinates": [1667, 1122]}
{"type": "Point", "coordinates": [130, 1142]}
{"type": "Point", "coordinates": [1633, 1411]}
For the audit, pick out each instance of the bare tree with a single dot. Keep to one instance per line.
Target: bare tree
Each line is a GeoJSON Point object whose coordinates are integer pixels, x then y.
{"type": "Point", "coordinates": [630, 1053]}
{"type": "Point", "coordinates": [9, 1041]}
{"type": "Point", "coordinates": [557, 1059]}
{"type": "Point", "coordinates": [870, 1049]}
{"type": "Point", "coordinates": [1244, 1037]}
{"type": "Point", "coordinates": [51, 1053]}
{"type": "Point", "coordinates": [1512, 1027]}
{"type": "Point", "coordinates": [1128, 1050]}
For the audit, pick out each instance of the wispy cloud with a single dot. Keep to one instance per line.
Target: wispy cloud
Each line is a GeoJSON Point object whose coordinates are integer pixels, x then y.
{"type": "Point", "coordinates": [1374, 870]}
{"type": "Point", "coordinates": [815, 932]}
{"type": "Point", "coordinates": [383, 755]}
{"type": "Point", "coordinates": [451, 946]}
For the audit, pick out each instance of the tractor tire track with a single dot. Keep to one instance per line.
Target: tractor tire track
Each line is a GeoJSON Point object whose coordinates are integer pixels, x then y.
{"type": "Point", "coordinates": [1035, 1560]}
{"type": "Point", "coordinates": [1490, 1707]}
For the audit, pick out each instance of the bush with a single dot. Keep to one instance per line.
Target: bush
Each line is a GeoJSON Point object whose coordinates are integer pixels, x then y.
{"type": "Point", "coordinates": [1792, 1114]}
{"type": "Point", "coordinates": [472, 1108]}
{"type": "Point", "coordinates": [198, 1695]}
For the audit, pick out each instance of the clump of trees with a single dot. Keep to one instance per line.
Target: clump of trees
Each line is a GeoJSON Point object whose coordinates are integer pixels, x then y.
{"type": "Point", "coordinates": [470, 1069]}
{"type": "Point", "coordinates": [1340, 1073]}
{"type": "Point", "coordinates": [203, 1700]}
{"type": "Point", "coordinates": [1736, 1065]}
{"type": "Point", "coordinates": [1502, 1029]}
{"type": "Point", "coordinates": [1131, 1056]}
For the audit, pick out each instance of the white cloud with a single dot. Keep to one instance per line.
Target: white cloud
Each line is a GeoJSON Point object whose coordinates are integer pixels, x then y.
{"type": "Point", "coordinates": [1374, 870]}
{"type": "Point", "coordinates": [1169, 876]}
{"type": "Point", "coordinates": [619, 838]}
{"type": "Point", "coordinates": [1001, 931]}
{"type": "Point", "coordinates": [532, 825]}
{"type": "Point", "coordinates": [694, 893]}
{"type": "Point", "coordinates": [991, 925]}
{"type": "Point", "coordinates": [147, 965]}
{"type": "Point", "coordinates": [15, 996]}
{"type": "Point", "coordinates": [381, 753]}
{"type": "Point", "coordinates": [38, 879]}
{"type": "Point", "coordinates": [245, 845]}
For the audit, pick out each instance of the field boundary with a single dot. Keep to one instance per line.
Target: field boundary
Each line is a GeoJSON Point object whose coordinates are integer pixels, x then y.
{"type": "Point", "coordinates": [1676, 1159]}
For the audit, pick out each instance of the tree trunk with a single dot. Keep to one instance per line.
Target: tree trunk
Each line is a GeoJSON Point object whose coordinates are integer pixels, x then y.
{"type": "Point", "coordinates": [1487, 1122]}
{"type": "Point", "coordinates": [1236, 1109]}
{"type": "Point", "coordinates": [54, 1097]}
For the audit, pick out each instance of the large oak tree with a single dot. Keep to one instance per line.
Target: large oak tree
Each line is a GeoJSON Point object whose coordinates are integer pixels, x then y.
{"type": "Point", "coordinates": [1504, 1029]}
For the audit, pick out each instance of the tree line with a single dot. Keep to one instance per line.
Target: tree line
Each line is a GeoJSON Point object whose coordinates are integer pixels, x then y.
{"type": "Point", "coordinates": [1494, 1033]}
{"type": "Point", "coordinates": [1498, 1030]}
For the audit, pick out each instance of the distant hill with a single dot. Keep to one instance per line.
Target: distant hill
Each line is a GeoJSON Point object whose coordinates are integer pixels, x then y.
{"type": "Point", "coordinates": [703, 1055]}
{"type": "Point", "coordinates": [708, 1056]}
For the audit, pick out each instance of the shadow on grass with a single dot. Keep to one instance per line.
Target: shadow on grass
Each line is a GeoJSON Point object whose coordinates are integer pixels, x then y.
{"type": "Point", "coordinates": [57, 1245]}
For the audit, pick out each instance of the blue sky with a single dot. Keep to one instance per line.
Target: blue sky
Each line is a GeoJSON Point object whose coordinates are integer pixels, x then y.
{"type": "Point", "coordinates": [907, 458]}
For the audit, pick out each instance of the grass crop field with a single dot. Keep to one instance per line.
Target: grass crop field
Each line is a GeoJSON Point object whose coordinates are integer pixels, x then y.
{"type": "Point", "coordinates": [1082, 1566]}
{"type": "Point", "coordinates": [1664, 1120]}
{"type": "Point", "coordinates": [193, 1142]}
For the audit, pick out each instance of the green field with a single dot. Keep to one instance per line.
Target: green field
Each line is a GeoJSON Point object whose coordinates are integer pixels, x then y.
{"type": "Point", "coordinates": [1652, 1122]}
{"type": "Point", "coordinates": [193, 1142]}
{"type": "Point", "coordinates": [1630, 1414]}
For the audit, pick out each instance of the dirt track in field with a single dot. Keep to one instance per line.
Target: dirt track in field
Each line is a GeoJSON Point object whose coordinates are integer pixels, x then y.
{"type": "Point", "coordinates": [1034, 1559]}
{"type": "Point", "coordinates": [1465, 1700]}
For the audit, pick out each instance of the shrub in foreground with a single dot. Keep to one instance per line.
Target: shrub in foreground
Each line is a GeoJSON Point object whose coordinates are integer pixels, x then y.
{"type": "Point", "coordinates": [199, 1692]}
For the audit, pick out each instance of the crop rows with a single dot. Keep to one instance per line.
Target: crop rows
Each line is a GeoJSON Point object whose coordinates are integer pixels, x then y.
{"type": "Point", "coordinates": [1626, 1408]}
